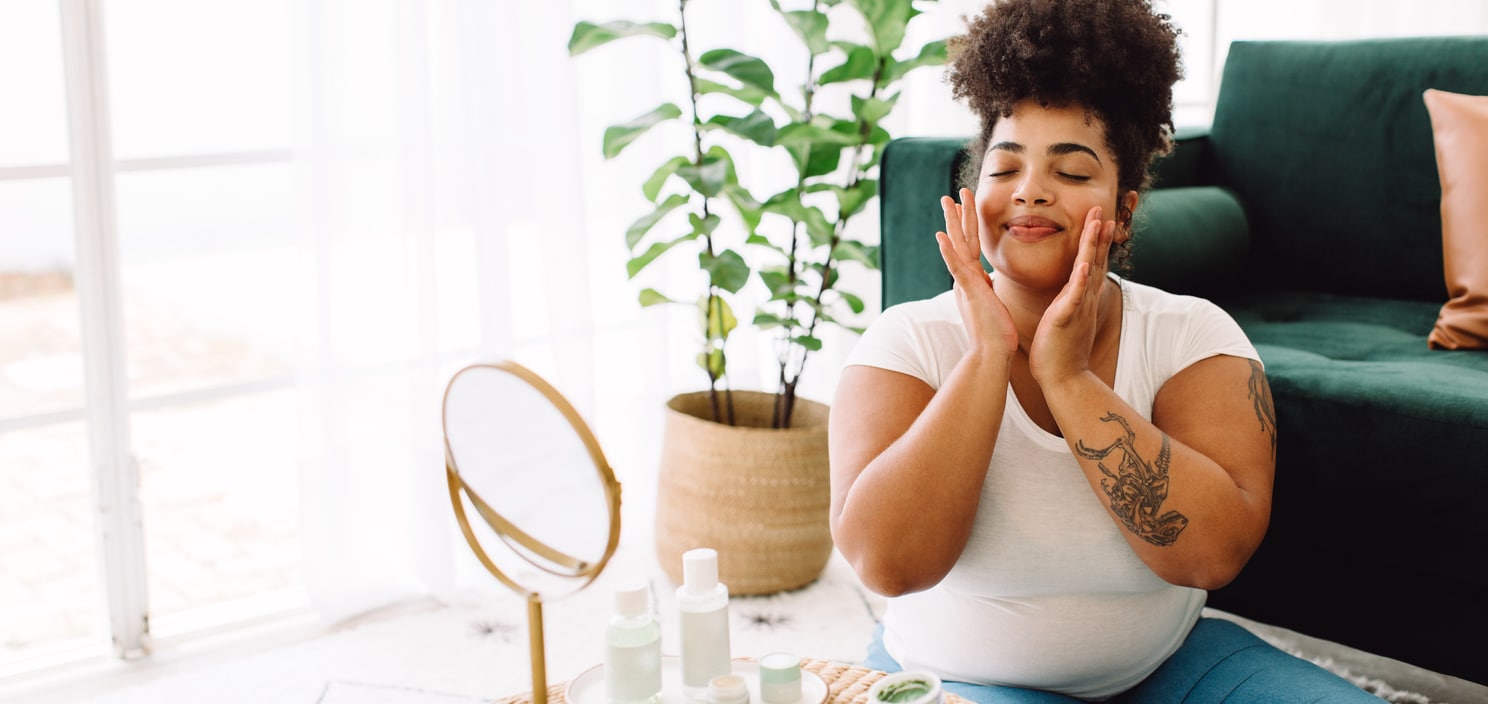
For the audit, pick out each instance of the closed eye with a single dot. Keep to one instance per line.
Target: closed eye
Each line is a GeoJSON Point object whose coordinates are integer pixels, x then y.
{"type": "Point", "coordinates": [1075, 177]}
{"type": "Point", "coordinates": [1000, 174]}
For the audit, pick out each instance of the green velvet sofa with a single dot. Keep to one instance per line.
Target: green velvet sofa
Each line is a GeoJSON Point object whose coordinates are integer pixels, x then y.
{"type": "Point", "coordinates": [1310, 211]}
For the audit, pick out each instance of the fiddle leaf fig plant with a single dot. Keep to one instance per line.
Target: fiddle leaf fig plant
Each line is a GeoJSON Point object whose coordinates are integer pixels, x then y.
{"type": "Point", "coordinates": [794, 241]}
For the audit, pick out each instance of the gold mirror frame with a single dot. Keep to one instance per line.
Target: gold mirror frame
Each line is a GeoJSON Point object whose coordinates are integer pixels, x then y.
{"type": "Point", "coordinates": [522, 543]}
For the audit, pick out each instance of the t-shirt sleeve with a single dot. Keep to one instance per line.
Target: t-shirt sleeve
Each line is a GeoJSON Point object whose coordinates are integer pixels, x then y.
{"type": "Point", "coordinates": [1211, 332]}
{"type": "Point", "coordinates": [923, 339]}
{"type": "Point", "coordinates": [893, 342]}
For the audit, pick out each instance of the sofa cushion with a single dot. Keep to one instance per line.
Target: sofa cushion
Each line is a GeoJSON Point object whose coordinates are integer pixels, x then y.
{"type": "Point", "coordinates": [1191, 240]}
{"type": "Point", "coordinates": [1459, 125]}
{"type": "Point", "coordinates": [1329, 147]}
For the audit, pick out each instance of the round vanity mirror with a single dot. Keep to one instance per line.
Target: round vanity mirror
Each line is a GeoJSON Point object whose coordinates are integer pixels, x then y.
{"type": "Point", "coordinates": [533, 495]}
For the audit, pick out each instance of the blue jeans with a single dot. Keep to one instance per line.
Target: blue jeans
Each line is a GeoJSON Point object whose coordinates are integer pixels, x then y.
{"type": "Point", "coordinates": [1218, 662]}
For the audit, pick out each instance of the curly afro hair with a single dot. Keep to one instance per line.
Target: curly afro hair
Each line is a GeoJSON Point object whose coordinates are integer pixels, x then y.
{"type": "Point", "coordinates": [1117, 59]}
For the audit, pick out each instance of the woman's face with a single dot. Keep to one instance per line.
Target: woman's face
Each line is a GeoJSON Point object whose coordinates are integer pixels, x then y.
{"type": "Point", "coordinates": [1044, 169]}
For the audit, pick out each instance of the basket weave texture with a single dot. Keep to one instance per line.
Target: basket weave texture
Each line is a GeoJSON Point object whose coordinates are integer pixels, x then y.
{"type": "Point", "coordinates": [758, 495]}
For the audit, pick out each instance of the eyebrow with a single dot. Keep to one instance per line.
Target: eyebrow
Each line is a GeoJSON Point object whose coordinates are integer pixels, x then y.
{"type": "Point", "coordinates": [1057, 149]}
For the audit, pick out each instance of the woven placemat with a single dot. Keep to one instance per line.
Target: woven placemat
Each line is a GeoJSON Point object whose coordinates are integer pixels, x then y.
{"type": "Point", "coordinates": [846, 684]}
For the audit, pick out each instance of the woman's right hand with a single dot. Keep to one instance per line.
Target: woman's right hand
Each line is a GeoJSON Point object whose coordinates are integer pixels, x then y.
{"type": "Point", "coordinates": [989, 326]}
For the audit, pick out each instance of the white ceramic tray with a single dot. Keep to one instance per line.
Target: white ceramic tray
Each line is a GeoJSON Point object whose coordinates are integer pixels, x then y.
{"type": "Point", "coordinates": [589, 688]}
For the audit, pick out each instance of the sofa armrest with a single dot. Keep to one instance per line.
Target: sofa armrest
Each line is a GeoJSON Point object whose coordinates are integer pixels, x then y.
{"type": "Point", "coordinates": [1188, 163]}
{"type": "Point", "coordinates": [1191, 240]}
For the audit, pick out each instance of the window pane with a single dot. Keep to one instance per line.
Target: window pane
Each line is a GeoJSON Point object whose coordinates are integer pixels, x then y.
{"type": "Point", "coordinates": [208, 276]}
{"type": "Point", "coordinates": [33, 102]}
{"type": "Point", "coordinates": [189, 77]}
{"type": "Point", "coordinates": [219, 487]}
{"type": "Point", "coordinates": [49, 585]}
{"type": "Point", "coordinates": [41, 364]}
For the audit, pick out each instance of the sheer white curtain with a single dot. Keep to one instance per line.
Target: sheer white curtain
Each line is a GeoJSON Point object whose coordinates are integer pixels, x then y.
{"type": "Point", "coordinates": [438, 173]}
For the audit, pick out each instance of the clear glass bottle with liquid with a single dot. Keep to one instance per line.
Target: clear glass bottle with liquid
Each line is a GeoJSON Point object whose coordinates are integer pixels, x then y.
{"type": "Point", "coordinates": [632, 666]}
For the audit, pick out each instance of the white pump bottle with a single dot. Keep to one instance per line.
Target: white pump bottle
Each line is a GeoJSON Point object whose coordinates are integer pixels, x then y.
{"type": "Point", "coordinates": [702, 605]}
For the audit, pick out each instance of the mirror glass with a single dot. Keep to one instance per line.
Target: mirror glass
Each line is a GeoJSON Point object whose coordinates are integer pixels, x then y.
{"type": "Point", "coordinates": [540, 502]}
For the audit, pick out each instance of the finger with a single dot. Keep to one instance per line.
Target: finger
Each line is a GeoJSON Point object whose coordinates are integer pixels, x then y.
{"type": "Point", "coordinates": [953, 212]}
{"type": "Point", "coordinates": [969, 219]}
{"type": "Point", "coordinates": [1090, 238]}
{"type": "Point", "coordinates": [1103, 253]}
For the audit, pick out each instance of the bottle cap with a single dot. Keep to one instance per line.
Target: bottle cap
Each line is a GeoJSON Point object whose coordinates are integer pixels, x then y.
{"type": "Point", "coordinates": [728, 689]}
{"type": "Point", "coordinates": [632, 599]}
{"type": "Point", "coordinates": [700, 569]}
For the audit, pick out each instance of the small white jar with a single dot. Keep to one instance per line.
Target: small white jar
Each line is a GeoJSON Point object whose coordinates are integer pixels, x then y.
{"type": "Point", "coordinates": [906, 688]}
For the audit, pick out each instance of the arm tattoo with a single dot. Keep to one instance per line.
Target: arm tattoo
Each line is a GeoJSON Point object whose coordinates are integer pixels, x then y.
{"type": "Point", "coordinates": [1136, 487]}
{"type": "Point", "coordinates": [1260, 395]}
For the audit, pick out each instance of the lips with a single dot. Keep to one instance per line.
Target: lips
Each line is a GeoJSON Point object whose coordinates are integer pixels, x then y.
{"type": "Point", "coordinates": [1031, 228]}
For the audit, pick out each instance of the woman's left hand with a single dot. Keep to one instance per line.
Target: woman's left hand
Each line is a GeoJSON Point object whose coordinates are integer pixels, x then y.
{"type": "Point", "coordinates": [1062, 343]}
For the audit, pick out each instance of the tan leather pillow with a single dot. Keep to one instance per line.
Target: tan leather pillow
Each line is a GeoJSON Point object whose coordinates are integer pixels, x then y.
{"type": "Point", "coordinates": [1459, 124]}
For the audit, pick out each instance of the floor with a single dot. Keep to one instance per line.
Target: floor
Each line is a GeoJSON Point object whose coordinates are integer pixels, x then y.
{"type": "Point", "coordinates": [475, 649]}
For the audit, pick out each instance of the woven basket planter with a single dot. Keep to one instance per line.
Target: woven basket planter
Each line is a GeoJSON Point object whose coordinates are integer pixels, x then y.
{"type": "Point", "coordinates": [759, 496]}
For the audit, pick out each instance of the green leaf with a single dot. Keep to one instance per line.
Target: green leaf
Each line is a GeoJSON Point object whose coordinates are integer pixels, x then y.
{"type": "Point", "coordinates": [652, 187]}
{"type": "Point", "coordinates": [798, 134]}
{"type": "Point", "coordinates": [651, 297]}
{"type": "Point", "coordinates": [587, 35]}
{"type": "Point", "coordinates": [748, 208]}
{"type": "Point", "coordinates": [810, 26]}
{"type": "Point", "coordinates": [859, 64]}
{"type": "Point", "coordinates": [807, 341]}
{"type": "Point", "coordinates": [886, 21]}
{"type": "Point", "coordinates": [636, 264]}
{"type": "Point", "coordinates": [640, 227]}
{"type": "Point", "coordinates": [849, 200]}
{"type": "Point", "coordinates": [767, 321]}
{"type": "Point", "coordinates": [749, 94]}
{"type": "Point", "coordinates": [718, 320]}
{"type": "Point", "coordinates": [818, 229]}
{"type": "Point", "coordinates": [726, 270]}
{"type": "Point", "coordinates": [712, 362]}
{"type": "Point", "coordinates": [709, 178]}
{"type": "Point", "coordinates": [873, 110]}
{"type": "Point", "coordinates": [777, 280]}
{"type": "Point", "coordinates": [932, 54]}
{"type": "Point", "coordinates": [703, 226]}
{"type": "Point", "coordinates": [762, 241]}
{"type": "Point", "coordinates": [756, 127]}
{"type": "Point", "coordinates": [618, 137]}
{"type": "Point", "coordinates": [853, 302]}
{"type": "Point", "coordinates": [744, 68]}
{"type": "Point", "coordinates": [854, 251]}
{"type": "Point", "coordinates": [819, 160]}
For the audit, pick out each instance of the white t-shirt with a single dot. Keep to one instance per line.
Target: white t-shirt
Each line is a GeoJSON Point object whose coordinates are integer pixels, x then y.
{"type": "Point", "coordinates": [1047, 593]}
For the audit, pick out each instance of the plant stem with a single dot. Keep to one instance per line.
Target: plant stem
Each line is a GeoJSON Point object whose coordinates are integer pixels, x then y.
{"type": "Point", "coordinates": [785, 398]}
{"type": "Point", "coordinates": [714, 304]}
{"type": "Point", "coordinates": [856, 173]}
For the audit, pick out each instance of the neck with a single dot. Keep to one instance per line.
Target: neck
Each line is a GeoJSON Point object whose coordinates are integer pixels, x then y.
{"type": "Point", "coordinates": [1027, 306]}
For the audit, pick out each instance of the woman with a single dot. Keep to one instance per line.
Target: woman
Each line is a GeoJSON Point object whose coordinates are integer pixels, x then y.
{"type": "Point", "coordinates": [1046, 468]}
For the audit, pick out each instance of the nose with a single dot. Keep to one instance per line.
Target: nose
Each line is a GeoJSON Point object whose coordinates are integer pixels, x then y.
{"type": "Point", "coordinates": [1031, 190]}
